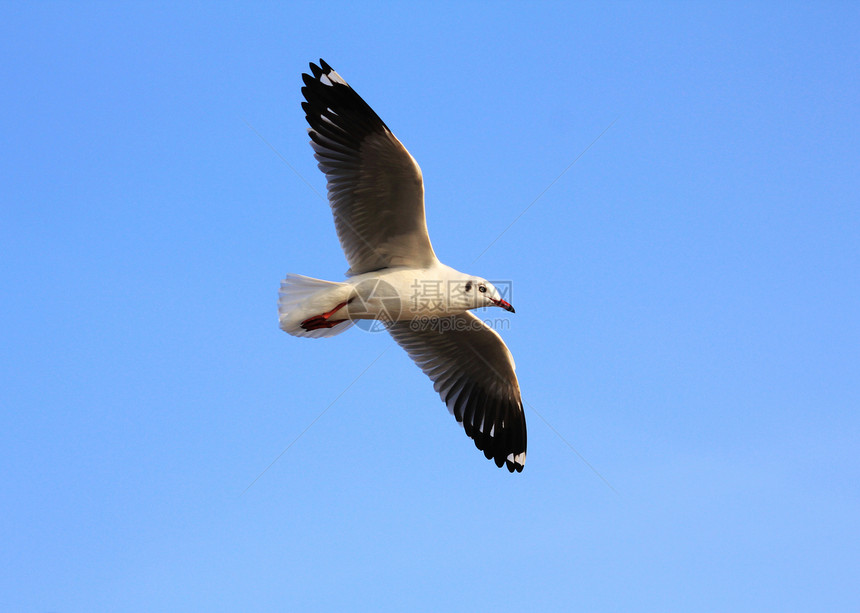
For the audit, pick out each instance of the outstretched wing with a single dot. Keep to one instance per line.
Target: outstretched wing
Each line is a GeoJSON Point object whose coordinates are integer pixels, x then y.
{"type": "Point", "coordinates": [374, 186]}
{"type": "Point", "coordinates": [473, 371]}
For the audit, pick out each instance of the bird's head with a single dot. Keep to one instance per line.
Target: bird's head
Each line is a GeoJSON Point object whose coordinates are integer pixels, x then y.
{"type": "Point", "coordinates": [475, 293]}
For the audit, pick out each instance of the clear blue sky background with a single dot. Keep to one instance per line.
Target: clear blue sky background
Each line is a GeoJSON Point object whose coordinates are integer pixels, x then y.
{"type": "Point", "coordinates": [687, 300]}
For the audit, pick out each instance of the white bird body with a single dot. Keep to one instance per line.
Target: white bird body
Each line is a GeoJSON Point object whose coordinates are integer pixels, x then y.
{"type": "Point", "coordinates": [376, 193]}
{"type": "Point", "coordinates": [418, 294]}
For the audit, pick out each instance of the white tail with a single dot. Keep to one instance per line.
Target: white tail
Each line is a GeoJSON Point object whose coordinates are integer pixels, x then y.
{"type": "Point", "coordinates": [302, 297]}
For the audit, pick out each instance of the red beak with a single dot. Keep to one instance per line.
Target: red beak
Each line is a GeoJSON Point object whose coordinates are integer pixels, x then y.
{"type": "Point", "coordinates": [504, 304]}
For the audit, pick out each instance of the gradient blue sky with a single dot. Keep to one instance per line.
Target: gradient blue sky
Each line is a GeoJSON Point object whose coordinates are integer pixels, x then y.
{"type": "Point", "coordinates": [687, 300]}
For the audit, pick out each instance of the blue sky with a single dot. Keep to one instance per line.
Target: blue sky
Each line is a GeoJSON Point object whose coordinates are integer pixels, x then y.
{"type": "Point", "coordinates": [687, 299]}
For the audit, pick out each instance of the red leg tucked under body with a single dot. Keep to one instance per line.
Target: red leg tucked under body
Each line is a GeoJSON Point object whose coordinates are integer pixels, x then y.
{"type": "Point", "coordinates": [322, 321]}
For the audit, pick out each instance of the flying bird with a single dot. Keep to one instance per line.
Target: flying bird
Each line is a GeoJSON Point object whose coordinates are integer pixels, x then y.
{"type": "Point", "coordinates": [376, 193]}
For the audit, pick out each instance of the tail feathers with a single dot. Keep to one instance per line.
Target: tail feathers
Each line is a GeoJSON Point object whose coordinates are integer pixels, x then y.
{"type": "Point", "coordinates": [296, 304]}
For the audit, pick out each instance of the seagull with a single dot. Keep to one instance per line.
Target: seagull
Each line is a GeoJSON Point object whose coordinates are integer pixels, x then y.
{"type": "Point", "coordinates": [376, 193]}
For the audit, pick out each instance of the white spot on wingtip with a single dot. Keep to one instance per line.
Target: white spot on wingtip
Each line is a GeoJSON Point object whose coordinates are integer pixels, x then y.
{"type": "Point", "coordinates": [336, 78]}
{"type": "Point", "coordinates": [519, 459]}
{"type": "Point", "coordinates": [331, 78]}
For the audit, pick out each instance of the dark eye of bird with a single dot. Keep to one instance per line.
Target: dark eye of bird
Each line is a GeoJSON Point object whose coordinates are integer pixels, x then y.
{"type": "Point", "coordinates": [468, 286]}
{"type": "Point", "coordinates": [482, 288]}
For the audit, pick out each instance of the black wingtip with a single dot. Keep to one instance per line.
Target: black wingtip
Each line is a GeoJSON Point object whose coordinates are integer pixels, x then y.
{"type": "Point", "coordinates": [320, 70]}
{"type": "Point", "coordinates": [512, 467]}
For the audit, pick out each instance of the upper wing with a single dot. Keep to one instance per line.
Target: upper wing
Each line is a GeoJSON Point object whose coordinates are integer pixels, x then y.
{"type": "Point", "coordinates": [374, 186]}
{"type": "Point", "coordinates": [473, 371]}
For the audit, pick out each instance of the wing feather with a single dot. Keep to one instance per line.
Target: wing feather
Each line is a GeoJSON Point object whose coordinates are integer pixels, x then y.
{"type": "Point", "coordinates": [375, 187]}
{"type": "Point", "coordinates": [473, 371]}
